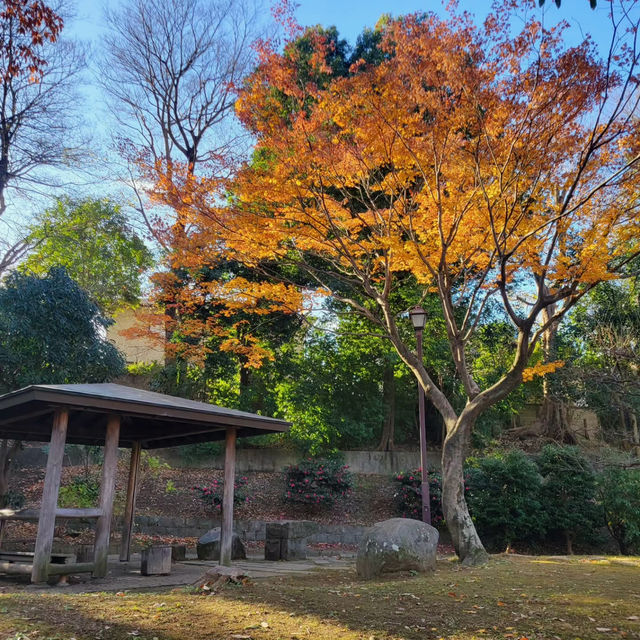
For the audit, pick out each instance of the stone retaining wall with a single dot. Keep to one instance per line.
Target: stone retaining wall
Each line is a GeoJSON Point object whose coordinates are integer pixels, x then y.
{"type": "Point", "coordinates": [248, 530]}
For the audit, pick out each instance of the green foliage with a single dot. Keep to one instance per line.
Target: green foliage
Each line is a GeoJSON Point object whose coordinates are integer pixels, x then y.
{"type": "Point", "coordinates": [569, 493]}
{"type": "Point", "coordinates": [504, 497]}
{"type": "Point", "coordinates": [12, 500]}
{"type": "Point", "coordinates": [408, 497]}
{"type": "Point", "coordinates": [170, 488]}
{"type": "Point", "coordinates": [599, 346]}
{"type": "Point", "coordinates": [143, 368]}
{"type": "Point", "coordinates": [331, 388]}
{"type": "Point", "coordinates": [317, 482]}
{"type": "Point", "coordinates": [212, 494]}
{"type": "Point", "coordinates": [151, 465]}
{"type": "Point", "coordinates": [619, 495]}
{"type": "Point", "coordinates": [51, 333]}
{"type": "Point", "coordinates": [97, 246]}
{"type": "Point", "coordinates": [81, 493]}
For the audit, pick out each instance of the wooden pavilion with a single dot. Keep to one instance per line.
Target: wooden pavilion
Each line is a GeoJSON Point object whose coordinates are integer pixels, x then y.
{"type": "Point", "coordinates": [112, 416]}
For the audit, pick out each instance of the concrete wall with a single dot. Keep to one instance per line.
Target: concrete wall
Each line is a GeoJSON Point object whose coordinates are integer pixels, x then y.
{"type": "Point", "coordinates": [583, 423]}
{"type": "Point", "coordinates": [269, 460]}
{"type": "Point", "coordinates": [138, 348]}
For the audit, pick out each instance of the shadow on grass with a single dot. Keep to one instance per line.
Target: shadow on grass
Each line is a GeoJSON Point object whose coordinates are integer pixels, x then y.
{"type": "Point", "coordinates": [513, 597]}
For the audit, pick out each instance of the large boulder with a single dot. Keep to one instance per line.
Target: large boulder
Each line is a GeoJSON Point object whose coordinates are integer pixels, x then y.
{"type": "Point", "coordinates": [399, 544]}
{"type": "Point", "coordinates": [208, 547]}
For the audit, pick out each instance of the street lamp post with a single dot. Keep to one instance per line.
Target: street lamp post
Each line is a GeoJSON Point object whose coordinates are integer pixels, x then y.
{"type": "Point", "coordinates": [418, 319]}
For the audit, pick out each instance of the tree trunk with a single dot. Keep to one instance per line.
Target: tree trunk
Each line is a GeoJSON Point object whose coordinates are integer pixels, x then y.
{"type": "Point", "coordinates": [635, 432]}
{"type": "Point", "coordinates": [456, 513]}
{"type": "Point", "coordinates": [554, 411]}
{"type": "Point", "coordinates": [8, 449]}
{"type": "Point", "coordinates": [389, 402]}
{"type": "Point", "coordinates": [569, 540]}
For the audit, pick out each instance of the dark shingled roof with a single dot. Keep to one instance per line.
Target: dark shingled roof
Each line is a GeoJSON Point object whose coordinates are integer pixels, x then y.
{"type": "Point", "coordinates": [154, 419]}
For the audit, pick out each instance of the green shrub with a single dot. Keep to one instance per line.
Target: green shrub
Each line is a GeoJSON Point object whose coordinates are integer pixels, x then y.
{"type": "Point", "coordinates": [81, 493]}
{"type": "Point", "coordinates": [408, 496]}
{"type": "Point", "coordinates": [503, 494]}
{"type": "Point", "coordinates": [619, 496]}
{"type": "Point", "coordinates": [12, 500]}
{"type": "Point", "coordinates": [569, 494]}
{"type": "Point", "coordinates": [212, 494]}
{"type": "Point", "coordinates": [317, 482]}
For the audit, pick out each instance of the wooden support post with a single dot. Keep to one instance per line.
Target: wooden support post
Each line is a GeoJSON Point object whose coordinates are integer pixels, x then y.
{"type": "Point", "coordinates": [47, 520]}
{"type": "Point", "coordinates": [107, 491]}
{"type": "Point", "coordinates": [226, 537]}
{"type": "Point", "coordinates": [130, 507]}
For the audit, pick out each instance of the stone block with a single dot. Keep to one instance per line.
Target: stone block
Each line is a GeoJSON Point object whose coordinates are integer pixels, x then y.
{"type": "Point", "coordinates": [272, 549]}
{"type": "Point", "coordinates": [293, 549]}
{"type": "Point", "coordinates": [156, 561]}
{"type": "Point", "coordinates": [178, 552]}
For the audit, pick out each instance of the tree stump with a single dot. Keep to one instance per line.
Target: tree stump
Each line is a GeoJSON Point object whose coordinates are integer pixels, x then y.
{"type": "Point", "coordinates": [216, 577]}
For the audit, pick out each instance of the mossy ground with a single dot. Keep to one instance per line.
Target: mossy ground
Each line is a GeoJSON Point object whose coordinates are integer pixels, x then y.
{"type": "Point", "coordinates": [511, 597]}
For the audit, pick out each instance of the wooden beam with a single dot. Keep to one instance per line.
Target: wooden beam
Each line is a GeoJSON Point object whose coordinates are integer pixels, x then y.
{"type": "Point", "coordinates": [27, 416]}
{"type": "Point", "coordinates": [47, 520]}
{"type": "Point", "coordinates": [130, 507]}
{"type": "Point", "coordinates": [107, 492]}
{"type": "Point", "coordinates": [226, 537]}
{"type": "Point", "coordinates": [34, 514]}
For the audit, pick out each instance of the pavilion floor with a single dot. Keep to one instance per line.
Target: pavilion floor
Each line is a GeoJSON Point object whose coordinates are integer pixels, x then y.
{"type": "Point", "coordinates": [126, 576]}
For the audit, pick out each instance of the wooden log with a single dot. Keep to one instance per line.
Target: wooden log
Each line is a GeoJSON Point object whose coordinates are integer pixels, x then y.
{"type": "Point", "coordinates": [18, 568]}
{"type": "Point", "coordinates": [107, 491]}
{"type": "Point", "coordinates": [67, 569]}
{"type": "Point", "coordinates": [26, 556]}
{"type": "Point", "coordinates": [226, 533]}
{"type": "Point", "coordinates": [47, 520]}
{"type": "Point", "coordinates": [78, 513]}
{"type": "Point", "coordinates": [130, 507]}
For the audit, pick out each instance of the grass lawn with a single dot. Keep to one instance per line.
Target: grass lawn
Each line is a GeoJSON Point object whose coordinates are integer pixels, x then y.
{"type": "Point", "coordinates": [513, 597]}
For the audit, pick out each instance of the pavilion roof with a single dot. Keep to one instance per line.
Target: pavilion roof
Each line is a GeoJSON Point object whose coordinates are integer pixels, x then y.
{"type": "Point", "coordinates": [153, 419]}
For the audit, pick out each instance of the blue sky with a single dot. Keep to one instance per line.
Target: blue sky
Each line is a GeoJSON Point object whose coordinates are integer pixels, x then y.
{"type": "Point", "coordinates": [351, 16]}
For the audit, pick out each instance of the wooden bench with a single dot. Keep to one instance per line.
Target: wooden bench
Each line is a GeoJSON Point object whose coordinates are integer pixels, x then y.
{"type": "Point", "coordinates": [27, 556]}
{"type": "Point", "coordinates": [60, 564]}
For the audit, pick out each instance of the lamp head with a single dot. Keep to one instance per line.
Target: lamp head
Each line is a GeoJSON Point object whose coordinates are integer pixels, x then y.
{"type": "Point", "coordinates": [418, 318]}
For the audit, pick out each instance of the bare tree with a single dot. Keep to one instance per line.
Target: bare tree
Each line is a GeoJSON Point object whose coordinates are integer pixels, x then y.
{"type": "Point", "coordinates": [39, 133]}
{"type": "Point", "coordinates": [169, 71]}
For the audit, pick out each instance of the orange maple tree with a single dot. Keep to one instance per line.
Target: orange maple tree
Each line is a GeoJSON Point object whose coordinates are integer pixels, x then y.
{"type": "Point", "coordinates": [492, 164]}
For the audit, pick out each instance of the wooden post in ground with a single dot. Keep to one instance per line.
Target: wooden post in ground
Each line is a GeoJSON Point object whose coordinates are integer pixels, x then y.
{"type": "Point", "coordinates": [107, 491]}
{"type": "Point", "coordinates": [47, 519]}
{"type": "Point", "coordinates": [130, 507]}
{"type": "Point", "coordinates": [226, 534]}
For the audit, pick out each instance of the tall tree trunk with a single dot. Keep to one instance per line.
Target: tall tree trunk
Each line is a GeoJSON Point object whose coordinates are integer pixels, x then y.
{"type": "Point", "coordinates": [554, 414]}
{"type": "Point", "coordinates": [463, 532]}
{"type": "Point", "coordinates": [8, 449]}
{"type": "Point", "coordinates": [389, 402]}
{"type": "Point", "coordinates": [635, 432]}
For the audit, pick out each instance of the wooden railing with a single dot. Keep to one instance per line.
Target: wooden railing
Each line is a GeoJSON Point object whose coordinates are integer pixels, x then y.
{"type": "Point", "coordinates": [34, 514]}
